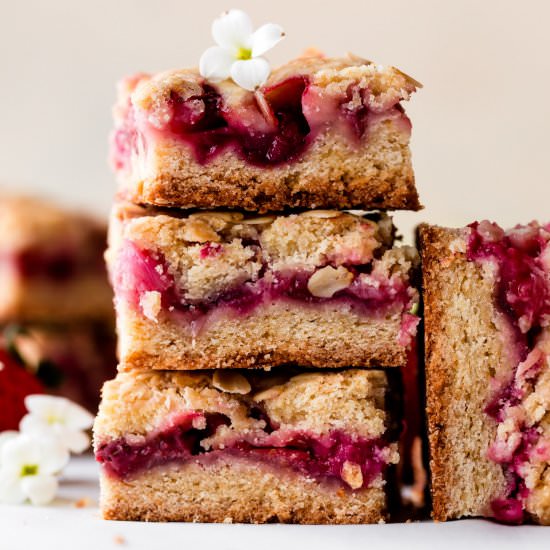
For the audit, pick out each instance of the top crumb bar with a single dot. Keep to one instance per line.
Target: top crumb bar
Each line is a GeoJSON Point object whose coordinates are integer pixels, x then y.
{"type": "Point", "coordinates": [321, 133]}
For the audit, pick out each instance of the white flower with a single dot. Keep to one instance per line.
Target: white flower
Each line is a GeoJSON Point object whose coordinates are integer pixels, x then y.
{"type": "Point", "coordinates": [239, 50]}
{"type": "Point", "coordinates": [28, 468]}
{"type": "Point", "coordinates": [57, 417]}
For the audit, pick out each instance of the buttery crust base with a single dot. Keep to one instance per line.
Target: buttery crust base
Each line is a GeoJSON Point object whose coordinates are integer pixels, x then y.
{"type": "Point", "coordinates": [331, 174]}
{"type": "Point", "coordinates": [236, 491]}
{"type": "Point", "coordinates": [463, 348]}
{"type": "Point", "coordinates": [273, 335]}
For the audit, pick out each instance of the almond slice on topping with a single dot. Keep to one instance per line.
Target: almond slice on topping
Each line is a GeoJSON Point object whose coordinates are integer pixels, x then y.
{"type": "Point", "coordinates": [328, 280]}
{"type": "Point", "coordinates": [260, 220]}
{"type": "Point", "coordinates": [352, 474]}
{"type": "Point", "coordinates": [265, 109]}
{"type": "Point", "coordinates": [150, 303]}
{"type": "Point", "coordinates": [270, 393]}
{"type": "Point", "coordinates": [321, 214]}
{"type": "Point", "coordinates": [230, 382]}
{"type": "Point", "coordinates": [306, 376]}
{"type": "Point", "coordinates": [198, 231]}
{"type": "Point", "coordinates": [229, 217]}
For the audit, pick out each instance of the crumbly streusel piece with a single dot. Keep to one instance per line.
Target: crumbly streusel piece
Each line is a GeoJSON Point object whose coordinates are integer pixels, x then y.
{"type": "Point", "coordinates": [52, 266]}
{"type": "Point", "coordinates": [246, 446]}
{"type": "Point", "coordinates": [486, 311]}
{"type": "Point", "coordinates": [219, 289]}
{"type": "Point", "coordinates": [321, 133]}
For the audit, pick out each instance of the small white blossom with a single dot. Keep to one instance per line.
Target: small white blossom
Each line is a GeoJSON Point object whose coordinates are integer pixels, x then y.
{"type": "Point", "coordinates": [239, 50]}
{"type": "Point", "coordinates": [28, 468]}
{"type": "Point", "coordinates": [59, 418]}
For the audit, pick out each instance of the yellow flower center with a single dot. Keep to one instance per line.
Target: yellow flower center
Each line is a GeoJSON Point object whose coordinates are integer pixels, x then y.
{"type": "Point", "coordinates": [52, 419]}
{"type": "Point", "coordinates": [29, 470]}
{"type": "Point", "coordinates": [244, 53]}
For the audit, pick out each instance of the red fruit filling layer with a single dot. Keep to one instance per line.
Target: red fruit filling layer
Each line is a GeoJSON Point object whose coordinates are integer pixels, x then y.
{"type": "Point", "coordinates": [523, 294]}
{"type": "Point", "coordinates": [270, 127]}
{"type": "Point", "coordinates": [57, 266]}
{"type": "Point", "coordinates": [139, 271]}
{"type": "Point", "coordinates": [319, 456]}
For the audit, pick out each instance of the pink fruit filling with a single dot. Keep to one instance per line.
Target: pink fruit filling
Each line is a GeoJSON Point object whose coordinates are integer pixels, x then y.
{"type": "Point", "coordinates": [522, 294]}
{"type": "Point", "coordinates": [139, 271]}
{"type": "Point", "coordinates": [272, 126]}
{"type": "Point", "coordinates": [57, 266]}
{"type": "Point", "coordinates": [319, 456]}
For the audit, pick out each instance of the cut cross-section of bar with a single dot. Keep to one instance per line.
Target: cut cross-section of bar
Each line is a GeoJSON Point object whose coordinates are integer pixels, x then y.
{"type": "Point", "coordinates": [51, 264]}
{"type": "Point", "coordinates": [487, 323]}
{"type": "Point", "coordinates": [321, 133]}
{"type": "Point", "coordinates": [220, 290]}
{"type": "Point", "coordinates": [247, 446]}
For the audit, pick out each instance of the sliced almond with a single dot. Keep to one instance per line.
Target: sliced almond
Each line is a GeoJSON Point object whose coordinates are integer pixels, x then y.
{"type": "Point", "coordinates": [229, 217]}
{"type": "Point", "coordinates": [198, 231]}
{"type": "Point", "coordinates": [328, 280]}
{"type": "Point", "coordinates": [306, 377]}
{"type": "Point", "coordinates": [321, 214]}
{"type": "Point", "coordinates": [265, 109]}
{"type": "Point", "coordinates": [269, 393]}
{"type": "Point", "coordinates": [352, 474]}
{"type": "Point", "coordinates": [260, 220]}
{"type": "Point", "coordinates": [230, 382]}
{"type": "Point", "coordinates": [150, 303]}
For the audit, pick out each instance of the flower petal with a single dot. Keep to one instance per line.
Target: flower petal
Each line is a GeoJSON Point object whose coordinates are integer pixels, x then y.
{"type": "Point", "coordinates": [76, 416]}
{"type": "Point", "coordinates": [232, 30]}
{"type": "Point", "coordinates": [40, 489]}
{"type": "Point", "coordinates": [53, 456]}
{"type": "Point", "coordinates": [76, 441]}
{"type": "Point", "coordinates": [6, 436]}
{"type": "Point", "coordinates": [11, 491]}
{"type": "Point", "coordinates": [265, 38]}
{"type": "Point", "coordinates": [251, 73]}
{"type": "Point", "coordinates": [38, 404]}
{"type": "Point", "coordinates": [215, 63]}
{"type": "Point", "coordinates": [19, 451]}
{"type": "Point", "coordinates": [34, 424]}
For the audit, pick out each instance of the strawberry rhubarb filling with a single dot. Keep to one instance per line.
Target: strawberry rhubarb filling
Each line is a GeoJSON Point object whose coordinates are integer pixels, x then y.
{"type": "Point", "coordinates": [275, 125]}
{"type": "Point", "coordinates": [519, 260]}
{"type": "Point", "coordinates": [143, 276]}
{"type": "Point", "coordinates": [335, 456]}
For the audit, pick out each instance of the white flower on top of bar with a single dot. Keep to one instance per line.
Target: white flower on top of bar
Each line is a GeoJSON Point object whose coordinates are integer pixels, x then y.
{"type": "Point", "coordinates": [239, 50]}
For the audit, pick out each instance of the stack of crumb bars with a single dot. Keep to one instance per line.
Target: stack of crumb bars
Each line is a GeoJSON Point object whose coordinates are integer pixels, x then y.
{"type": "Point", "coordinates": [263, 308]}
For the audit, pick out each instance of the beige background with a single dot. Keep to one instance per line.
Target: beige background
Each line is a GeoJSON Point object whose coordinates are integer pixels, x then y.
{"type": "Point", "coordinates": [481, 139]}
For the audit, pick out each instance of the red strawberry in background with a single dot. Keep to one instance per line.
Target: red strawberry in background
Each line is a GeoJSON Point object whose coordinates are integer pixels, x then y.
{"type": "Point", "coordinates": [15, 384]}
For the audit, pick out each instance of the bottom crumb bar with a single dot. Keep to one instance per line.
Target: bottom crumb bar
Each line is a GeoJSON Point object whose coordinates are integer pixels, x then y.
{"type": "Point", "coordinates": [229, 446]}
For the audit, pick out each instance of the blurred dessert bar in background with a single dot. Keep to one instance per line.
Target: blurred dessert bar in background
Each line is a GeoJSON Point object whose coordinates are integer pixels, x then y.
{"type": "Point", "coordinates": [51, 263]}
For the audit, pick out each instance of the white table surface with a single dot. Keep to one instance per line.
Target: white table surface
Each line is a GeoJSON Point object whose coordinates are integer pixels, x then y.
{"type": "Point", "coordinates": [64, 526]}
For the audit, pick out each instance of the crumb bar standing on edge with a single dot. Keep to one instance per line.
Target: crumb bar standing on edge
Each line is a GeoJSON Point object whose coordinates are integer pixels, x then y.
{"type": "Point", "coordinates": [230, 446]}
{"type": "Point", "coordinates": [486, 314]}
{"type": "Point", "coordinates": [222, 290]}
{"type": "Point", "coordinates": [321, 133]}
{"type": "Point", "coordinates": [52, 268]}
